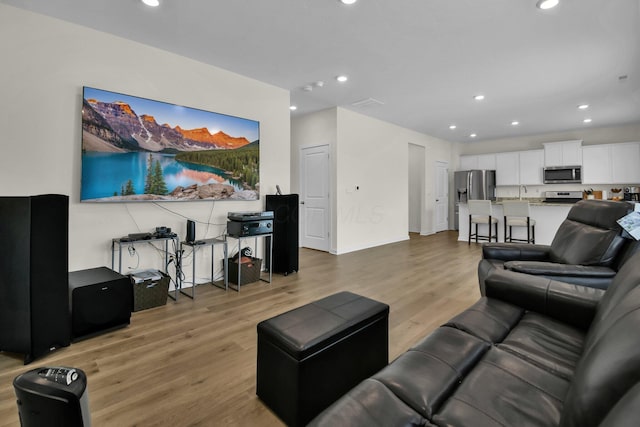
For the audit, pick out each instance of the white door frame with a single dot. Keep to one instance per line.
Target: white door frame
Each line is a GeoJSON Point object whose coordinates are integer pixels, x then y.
{"type": "Point", "coordinates": [437, 165]}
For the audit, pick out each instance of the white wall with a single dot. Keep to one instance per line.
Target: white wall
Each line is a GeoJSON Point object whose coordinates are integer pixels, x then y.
{"type": "Point", "coordinates": [45, 63]}
{"type": "Point", "coordinates": [310, 130]}
{"type": "Point", "coordinates": [372, 155]}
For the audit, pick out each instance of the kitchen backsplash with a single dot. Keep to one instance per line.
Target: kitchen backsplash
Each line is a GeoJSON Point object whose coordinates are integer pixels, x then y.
{"type": "Point", "coordinates": [537, 191]}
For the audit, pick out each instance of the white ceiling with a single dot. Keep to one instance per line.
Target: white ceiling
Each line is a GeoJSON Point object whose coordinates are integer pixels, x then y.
{"type": "Point", "coordinates": [424, 59]}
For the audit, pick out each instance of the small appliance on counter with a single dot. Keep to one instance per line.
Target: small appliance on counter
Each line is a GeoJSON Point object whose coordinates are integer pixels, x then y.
{"type": "Point", "coordinates": [562, 196]}
{"type": "Point", "coordinates": [632, 194]}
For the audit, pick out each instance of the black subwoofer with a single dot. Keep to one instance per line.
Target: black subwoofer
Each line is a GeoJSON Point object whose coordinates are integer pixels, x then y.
{"type": "Point", "coordinates": [285, 232]}
{"type": "Point", "coordinates": [100, 300]}
{"type": "Point", "coordinates": [34, 302]}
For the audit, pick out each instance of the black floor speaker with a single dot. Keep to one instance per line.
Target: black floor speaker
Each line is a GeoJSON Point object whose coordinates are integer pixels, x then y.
{"type": "Point", "coordinates": [285, 232]}
{"type": "Point", "coordinates": [101, 300]}
{"type": "Point", "coordinates": [34, 294]}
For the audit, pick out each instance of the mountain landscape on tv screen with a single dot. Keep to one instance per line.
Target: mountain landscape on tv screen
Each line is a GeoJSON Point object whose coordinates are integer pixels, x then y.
{"type": "Point", "coordinates": [116, 127]}
{"type": "Point", "coordinates": [129, 156]}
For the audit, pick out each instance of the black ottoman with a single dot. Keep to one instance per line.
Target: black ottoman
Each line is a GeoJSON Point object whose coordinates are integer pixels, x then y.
{"type": "Point", "coordinates": [310, 356]}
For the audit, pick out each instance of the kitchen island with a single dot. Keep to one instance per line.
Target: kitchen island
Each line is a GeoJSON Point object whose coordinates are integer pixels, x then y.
{"type": "Point", "coordinates": [548, 217]}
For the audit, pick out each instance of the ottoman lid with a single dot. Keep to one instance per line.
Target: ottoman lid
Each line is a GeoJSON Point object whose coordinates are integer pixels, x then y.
{"type": "Point", "coordinates": [307, 329]}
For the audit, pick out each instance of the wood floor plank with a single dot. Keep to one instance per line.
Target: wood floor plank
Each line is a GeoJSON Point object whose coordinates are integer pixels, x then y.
{"type": "Point", "coordinates": [192, 363]}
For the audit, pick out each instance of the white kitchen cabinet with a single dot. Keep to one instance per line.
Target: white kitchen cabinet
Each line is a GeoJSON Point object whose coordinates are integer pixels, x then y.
{"type": "Point", "coordinates": [625, 163]}
{"type": "Point", "coordinates": [487, 161]}
{"type": "Point", "coordinates": [468, 163]}
{"type": "Point", "coordinates": [519, 167]}
{"type": "Point", "coordinates": [478, 161]}
{"type": "Point", "coordinates": [611, 163]}
{"type": "Point", "coordinates": [563, 153]}
{"type": "Point", "coordinates": [508, 168]}
{"type": "Point", "coordinates": [531, 164]}
{"type": "Point", "coordinates": [596, 164]}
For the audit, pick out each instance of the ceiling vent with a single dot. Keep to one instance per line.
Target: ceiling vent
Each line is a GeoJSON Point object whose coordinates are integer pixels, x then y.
{"type": "Point", "coordinates": [366, 103]}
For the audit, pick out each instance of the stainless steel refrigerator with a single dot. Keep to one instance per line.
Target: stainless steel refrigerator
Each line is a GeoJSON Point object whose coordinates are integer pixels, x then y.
{"type": "Point", "coordinates": [473, 185]}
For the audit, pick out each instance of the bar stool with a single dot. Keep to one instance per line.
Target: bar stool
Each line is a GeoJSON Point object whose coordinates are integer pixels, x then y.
{"type": "Point", "coordinates": [516, 214]}
{"type": "Point", "coordinates": [480, 213]}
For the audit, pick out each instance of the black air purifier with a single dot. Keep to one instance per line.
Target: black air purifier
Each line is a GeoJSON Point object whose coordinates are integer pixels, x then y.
{"type": "Point", "coordinates": [53, 397]}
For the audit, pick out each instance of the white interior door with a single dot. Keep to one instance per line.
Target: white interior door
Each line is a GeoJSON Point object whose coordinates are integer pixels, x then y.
{"type": "Point", "coordinates": [441, 216]}
{"type": "Point", "coordinates": [315, 213]}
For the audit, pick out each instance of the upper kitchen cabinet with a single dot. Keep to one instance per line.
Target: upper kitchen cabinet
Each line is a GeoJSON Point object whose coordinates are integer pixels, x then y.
{"type": "Point", "coordinates": [508, 168]}
{"type": "Point", "coordinates": [519, 167]}
{"type": "Point", "coordinates": [625, 163]}
{"type": "Point", "coordinates": [531, 165]}
{"type": "Point", "coordinates": [563, 153]}
{"type": "Point", "coordinates": [611, 163]}
{"type": "Point", "coordinates": [478, 161]}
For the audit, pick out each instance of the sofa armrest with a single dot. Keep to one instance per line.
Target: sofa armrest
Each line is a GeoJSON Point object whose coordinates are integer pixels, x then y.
{"type": "Point", "coordinates": [569, 303]}
{"type": "Point", "coordinates": [516, 251]}
{"type": "Point", "coordinates": [541, 268]}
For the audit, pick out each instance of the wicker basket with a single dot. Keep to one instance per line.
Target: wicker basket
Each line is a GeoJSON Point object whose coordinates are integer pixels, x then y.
{"type": "Point", "coordinates": [150, 293]}
{"type": "Point", "coordinates": [249, 271]}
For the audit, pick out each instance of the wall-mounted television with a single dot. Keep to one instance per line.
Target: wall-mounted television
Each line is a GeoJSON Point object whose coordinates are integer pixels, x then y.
{"type": "Point", "coordinates": [136, 149]}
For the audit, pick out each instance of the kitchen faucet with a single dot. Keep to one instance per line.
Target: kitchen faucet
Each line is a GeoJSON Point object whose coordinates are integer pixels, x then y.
{"type": "Point", "coordinates": [520, 187]}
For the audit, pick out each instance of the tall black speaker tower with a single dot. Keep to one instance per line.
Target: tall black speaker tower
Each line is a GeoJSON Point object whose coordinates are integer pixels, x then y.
{"type": "Point", "coordinates": [34, 294]}
{"type": "Point", "coordinates": [285, 232]}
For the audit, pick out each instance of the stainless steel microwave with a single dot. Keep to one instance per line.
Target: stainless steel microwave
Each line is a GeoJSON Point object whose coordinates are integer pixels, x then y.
{"type": "Point", "coordinates": [563, 175]}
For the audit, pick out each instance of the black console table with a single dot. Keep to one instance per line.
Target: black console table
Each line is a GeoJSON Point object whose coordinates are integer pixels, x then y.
{"type": "Point", "coordinates": [204, 243]}
{"type": "Point", "coordinates": [269, 242]}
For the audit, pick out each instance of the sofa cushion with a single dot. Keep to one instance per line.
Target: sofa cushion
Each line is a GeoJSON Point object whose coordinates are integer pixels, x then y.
{"type": "Point", "coordinates": [590, 235]}
{"type": "Point", "coordinates": [426, 375]}
{"type": "Point", "coordinates": [610, 364]}
{"type": "Point", "coordinates": [370, 403]}
{"type": "Point", "coordinates": [488, 319]}
{"type": "Point", "coordinates": [505, 390]}
{"type": "Point", "coordinates": [552, 345]}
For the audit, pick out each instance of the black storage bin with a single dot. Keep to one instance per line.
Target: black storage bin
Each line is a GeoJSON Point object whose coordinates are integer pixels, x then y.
{"type": "Point", "coordinates": [150, 293]}
{"type": "Point", "coordinates": [249, 273]}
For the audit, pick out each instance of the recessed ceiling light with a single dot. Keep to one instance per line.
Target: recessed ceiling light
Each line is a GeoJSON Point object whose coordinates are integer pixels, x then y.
{"type": "Point", "coordinates": [293, 108]}
{"type": "Point", "coordinates": [515, 123]}
{"type": "Point", "coordinates": [473, 135]}
{"type": "Point", "coordinates": [547, 4]}
{"type": "Point", "coordinates": [152, 3]}
{"type": "Point", "coordinates": [452, 127]}
{"type": "Point", "coordinates": [348, 1]}
{"type": "Point", "coordinates": [342, 78]}
{"type": "Point", "coordinates": [478, 97]}
{"type": "Point", "coordinates": [586, 121]}
{"type": "Point", "coordinates": [583, 106]}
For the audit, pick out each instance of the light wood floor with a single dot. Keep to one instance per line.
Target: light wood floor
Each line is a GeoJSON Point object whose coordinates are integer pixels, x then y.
{"type": "Point", "coordinates": [193, 363]}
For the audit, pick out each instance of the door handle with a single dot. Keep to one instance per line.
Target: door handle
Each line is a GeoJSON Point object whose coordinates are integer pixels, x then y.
{"type": "Point", "coordinates": [302, 202]}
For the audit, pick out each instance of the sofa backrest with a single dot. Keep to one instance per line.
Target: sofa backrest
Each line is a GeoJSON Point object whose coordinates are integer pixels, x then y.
{"type": "Point", "coordinates": [610, 363]}
{"type": "Point", "coordinates": [590, 235]}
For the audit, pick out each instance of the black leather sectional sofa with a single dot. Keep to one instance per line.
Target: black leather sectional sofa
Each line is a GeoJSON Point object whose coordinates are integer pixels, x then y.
{"type": "Point", "coordinates": [531, 352]}
{"type": "Point", "coordinates": [588, 249]}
